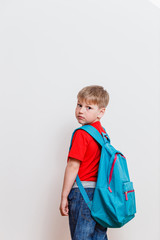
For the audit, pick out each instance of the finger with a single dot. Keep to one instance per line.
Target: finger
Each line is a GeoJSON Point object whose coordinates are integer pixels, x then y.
{"type": "Point", "coordinates": [64, 212]}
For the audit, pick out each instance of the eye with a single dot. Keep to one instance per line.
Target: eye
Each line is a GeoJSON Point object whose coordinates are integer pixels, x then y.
{"type": "Point", "coordinates": [89, 107]}
{"type": "Point", "coordinates": [79, 105]}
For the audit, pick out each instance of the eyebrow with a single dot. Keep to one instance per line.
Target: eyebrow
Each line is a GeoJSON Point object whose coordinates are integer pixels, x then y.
{"type": "Point", "coordinates": [87, 104]}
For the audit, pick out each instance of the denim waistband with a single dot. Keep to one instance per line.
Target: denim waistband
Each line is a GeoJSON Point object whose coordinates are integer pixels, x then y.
{"type": "Point", "coordinates": [86, 184]}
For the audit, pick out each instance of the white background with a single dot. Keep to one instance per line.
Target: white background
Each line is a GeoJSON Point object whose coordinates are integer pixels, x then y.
{"type": "Point", "coordinates": [49, 50]}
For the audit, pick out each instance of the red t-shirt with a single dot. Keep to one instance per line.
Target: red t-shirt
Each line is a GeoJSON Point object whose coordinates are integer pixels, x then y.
{"type": "Point", "coordinates": [87, 150]}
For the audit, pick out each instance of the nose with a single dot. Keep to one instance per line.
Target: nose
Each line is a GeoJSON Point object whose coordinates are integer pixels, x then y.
{"type": "Point", "coordinates": [81, 110]}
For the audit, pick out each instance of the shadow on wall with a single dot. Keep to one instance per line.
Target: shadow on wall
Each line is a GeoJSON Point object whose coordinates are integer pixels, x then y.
{"type": "Point", "coordinates": [57, 226]}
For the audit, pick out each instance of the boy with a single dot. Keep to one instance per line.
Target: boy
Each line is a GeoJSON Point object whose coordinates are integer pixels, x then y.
{"type": "Point", "coordinates": [83, 159]}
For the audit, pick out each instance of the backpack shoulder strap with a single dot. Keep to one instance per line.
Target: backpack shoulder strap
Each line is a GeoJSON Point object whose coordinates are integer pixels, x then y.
{"type": "Point", "coordinates": [96, 135]}
{"type": "Point", "coordinates": [106, 135]}
{"type": "Point", "coordinates": [99, 138]}
{"type": "Point", "coordinates": [92, 131]}
{"type": "Point", "coordinates": [83, 192]}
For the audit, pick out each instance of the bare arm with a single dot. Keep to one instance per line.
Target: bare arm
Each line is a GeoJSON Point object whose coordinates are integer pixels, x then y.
{"type": "Point", "coordinates": [69, 178]}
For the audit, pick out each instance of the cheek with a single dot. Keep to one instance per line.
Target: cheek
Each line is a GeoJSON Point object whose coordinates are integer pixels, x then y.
{"type": "Point", "coordinates": [76, 110]}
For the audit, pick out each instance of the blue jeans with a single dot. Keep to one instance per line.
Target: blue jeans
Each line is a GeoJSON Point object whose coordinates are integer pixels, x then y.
{"type": "Point", "coordinates": [82, 225]}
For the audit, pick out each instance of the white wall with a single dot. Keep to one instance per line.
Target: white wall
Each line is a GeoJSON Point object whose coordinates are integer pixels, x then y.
{"type": "Point", "coordinates": [49, 50]}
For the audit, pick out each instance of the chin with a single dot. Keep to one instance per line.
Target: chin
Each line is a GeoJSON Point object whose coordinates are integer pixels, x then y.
{"type": "Point", "coordinates": [82, 123]}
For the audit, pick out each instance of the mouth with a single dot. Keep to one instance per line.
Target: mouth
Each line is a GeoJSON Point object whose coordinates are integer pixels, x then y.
{"type": "Point", "coordinates": [80, 117]}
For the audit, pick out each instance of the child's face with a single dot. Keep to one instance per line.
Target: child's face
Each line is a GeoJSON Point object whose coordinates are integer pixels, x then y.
{"type": "Point", "coordinates": [88, 113]}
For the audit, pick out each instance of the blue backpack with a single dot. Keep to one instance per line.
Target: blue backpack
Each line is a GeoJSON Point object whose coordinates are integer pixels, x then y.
{"type": "Point", "coordinates": [113, 203]}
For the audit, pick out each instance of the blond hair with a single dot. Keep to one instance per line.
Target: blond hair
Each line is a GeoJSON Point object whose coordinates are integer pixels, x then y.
{"type": "Point", "coordinates": [94, 94]}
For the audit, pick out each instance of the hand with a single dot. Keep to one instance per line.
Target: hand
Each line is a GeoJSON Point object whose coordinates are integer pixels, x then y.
{"type": "Point", "coordinates": [64, 207]}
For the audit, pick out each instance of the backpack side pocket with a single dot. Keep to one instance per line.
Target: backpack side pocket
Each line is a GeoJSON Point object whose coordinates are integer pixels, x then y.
{"type": "Point", "coordinates": [129, 196]}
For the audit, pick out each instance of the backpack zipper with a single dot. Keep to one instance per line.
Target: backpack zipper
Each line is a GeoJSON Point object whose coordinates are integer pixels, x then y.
{"type": "Point", "coordinates": [127, 193]}
{"type": "Point", "coordinates": [111, 172]}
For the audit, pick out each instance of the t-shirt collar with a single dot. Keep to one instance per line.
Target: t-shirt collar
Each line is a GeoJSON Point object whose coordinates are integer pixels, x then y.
{"type": "Point", "coordinates": [96, 124]}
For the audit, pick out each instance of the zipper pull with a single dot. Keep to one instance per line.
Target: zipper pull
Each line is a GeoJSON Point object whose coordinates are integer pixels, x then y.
{"type": "Point", "coordinates": [109, 189]}
{"type": "Point", "coordinates": [126, 196]}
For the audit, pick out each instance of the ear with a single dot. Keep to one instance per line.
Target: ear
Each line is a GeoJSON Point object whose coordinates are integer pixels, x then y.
{"type": "Point", "coordinates": [101, 112]}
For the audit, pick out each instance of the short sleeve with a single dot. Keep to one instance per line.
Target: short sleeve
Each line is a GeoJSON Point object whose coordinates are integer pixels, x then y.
{"type": "Point", "coordinates": [79, 145]}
